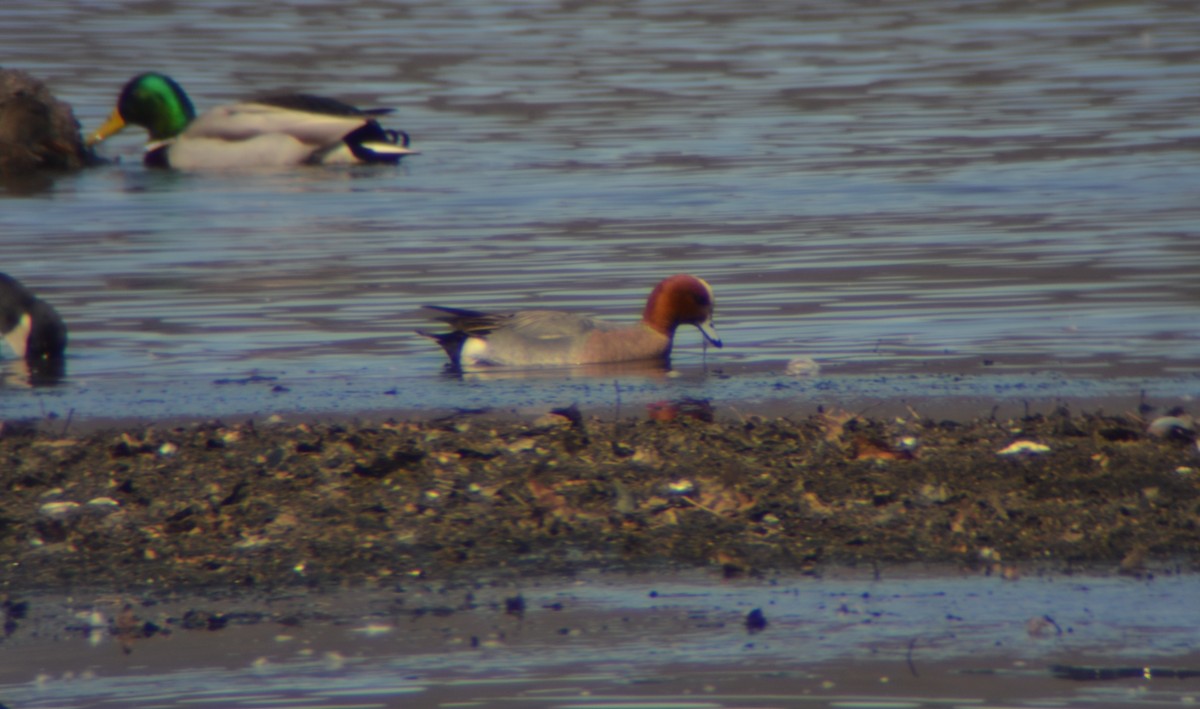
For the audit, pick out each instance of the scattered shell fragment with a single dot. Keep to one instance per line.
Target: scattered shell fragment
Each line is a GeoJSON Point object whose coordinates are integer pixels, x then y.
{"type": "Point", "coordinates": [681, 487]}
{"type": "Point", "coordinates": [933, 494]}
{"type": "Point", "coordinates": [522, 444]}
{"type": "Point", "coordinates": [101, 506]}
{"type": "Point", "coordinates": [58, 510]}
{"type": "Point", "coordinates": [552, 420]}
{"type": "Point", "coordinates": [252, 541]}
{"type": "Point", "coordinates": [1019, 447]}
{"type": "Point", "coordinates": [168, 449]}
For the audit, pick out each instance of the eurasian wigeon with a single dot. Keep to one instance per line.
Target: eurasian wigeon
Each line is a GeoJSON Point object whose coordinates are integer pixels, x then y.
{"type": "Point", "coordinates": [30, 325]}
{"type": "Point", "coordinates": [549, 337]}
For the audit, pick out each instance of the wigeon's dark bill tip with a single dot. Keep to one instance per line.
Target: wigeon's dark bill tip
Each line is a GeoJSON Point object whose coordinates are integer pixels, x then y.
{"type": "Point", "coordinates": [709, 333]}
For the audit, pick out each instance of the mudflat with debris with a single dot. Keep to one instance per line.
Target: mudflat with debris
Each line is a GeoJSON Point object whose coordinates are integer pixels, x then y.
{"type": "Point", "coordinates": [270, 505]}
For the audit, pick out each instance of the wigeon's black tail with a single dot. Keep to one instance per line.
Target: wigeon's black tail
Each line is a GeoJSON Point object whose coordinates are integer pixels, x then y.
{"type": "Point", "coordinates": [463, 325]}
{"type": "Point", "coordinates": [474, 322]}
{"type": "Point", "coordinates": [451, 341]}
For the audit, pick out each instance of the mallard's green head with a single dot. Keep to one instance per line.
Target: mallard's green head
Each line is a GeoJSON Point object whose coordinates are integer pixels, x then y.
{"type": "Point", "coordinates": [153, 101]}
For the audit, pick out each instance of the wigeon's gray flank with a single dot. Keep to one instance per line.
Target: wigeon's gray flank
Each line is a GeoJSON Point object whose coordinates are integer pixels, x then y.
{"type": "Point", "coordinates": [28, 324]}
{"type": "Point", "coordinates": [549, 337]}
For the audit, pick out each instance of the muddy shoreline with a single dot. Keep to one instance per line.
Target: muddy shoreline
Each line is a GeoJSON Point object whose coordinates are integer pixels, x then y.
{"type": "Point", "coordinates": [263, 505]}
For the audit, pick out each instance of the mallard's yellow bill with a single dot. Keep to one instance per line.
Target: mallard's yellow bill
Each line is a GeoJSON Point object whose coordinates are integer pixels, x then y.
{"type": "Point", "coordinates": [115, 124]}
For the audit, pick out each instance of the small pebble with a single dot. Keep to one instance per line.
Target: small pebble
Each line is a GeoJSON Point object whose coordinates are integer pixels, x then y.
{"type": "Point", "coordinates": [756, 621]}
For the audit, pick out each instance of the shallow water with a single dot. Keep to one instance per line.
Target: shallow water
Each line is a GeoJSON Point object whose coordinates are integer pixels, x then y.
{"type": "Point", "coordinates": [934, 188]}
{"type": "Point", "coordinates": [909, 638]}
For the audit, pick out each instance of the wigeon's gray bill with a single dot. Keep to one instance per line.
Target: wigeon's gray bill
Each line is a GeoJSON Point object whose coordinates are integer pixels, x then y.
{"type": "Point", "coordinates": [549, 337]}
{"type": "Point", "coordinates": [30, 326]}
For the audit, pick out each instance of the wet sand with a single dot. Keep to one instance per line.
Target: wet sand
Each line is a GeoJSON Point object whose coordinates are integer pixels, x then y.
{"type": "Point", "coordinates": [572, 560]}
{"type": "Point", "coordinates": [895, 636]}
{"type": "Point", "coordinates": [262, 505]}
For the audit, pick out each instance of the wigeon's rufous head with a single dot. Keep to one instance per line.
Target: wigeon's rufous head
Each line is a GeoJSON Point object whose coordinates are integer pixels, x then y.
{"type": "Point", "coordinates": [550, 337]}
{"type": "Point", "coordinates": [682, 300]}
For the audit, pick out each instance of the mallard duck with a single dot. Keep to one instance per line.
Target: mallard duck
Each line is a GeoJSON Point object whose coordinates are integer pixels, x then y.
{"type": "Point", "coordinates": [37, 131]}
{"type": "Point", "coordinates": [29, 325]}
{"type": "Point", "coordinates": [552, 337]}
{"type": "Point", "coordinates": [274, 131]}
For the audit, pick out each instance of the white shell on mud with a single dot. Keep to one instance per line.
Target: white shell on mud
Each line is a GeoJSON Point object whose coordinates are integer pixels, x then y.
{"type": "Point", "coordinates": [58, 510]}
{"type": "Point", "coordinates": [681, 487]}
{"type": "Point", "coordinates": [1019, 447]}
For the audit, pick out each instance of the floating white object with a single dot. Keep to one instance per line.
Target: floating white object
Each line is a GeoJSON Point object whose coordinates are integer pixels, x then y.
{"type": "Point", "coordinates": [803, 367]}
